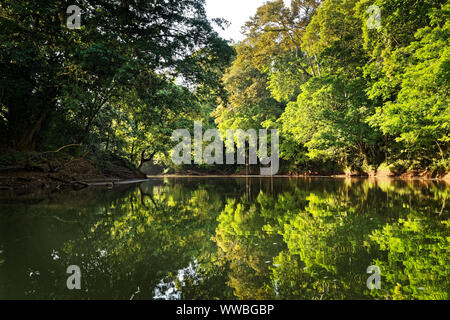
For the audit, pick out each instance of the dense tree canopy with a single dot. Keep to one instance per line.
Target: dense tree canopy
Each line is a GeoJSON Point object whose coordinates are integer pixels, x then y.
{"type": "Point", "coordinates": [348, 95]}
{"type": "Point", "coordinates": [113, 84]}
{"type": "Point", "coordinates": [344, 96]}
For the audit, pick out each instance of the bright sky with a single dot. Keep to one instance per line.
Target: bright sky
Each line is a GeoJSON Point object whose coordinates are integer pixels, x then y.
{"type": "Point", "coordinates": [235, 11]}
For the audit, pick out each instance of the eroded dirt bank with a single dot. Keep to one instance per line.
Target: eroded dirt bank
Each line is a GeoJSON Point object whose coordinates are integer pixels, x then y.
{"type": "Point", "coordinates": [73, 174]}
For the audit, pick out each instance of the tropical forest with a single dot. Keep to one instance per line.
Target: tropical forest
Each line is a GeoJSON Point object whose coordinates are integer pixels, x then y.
{"type": "Point", "coordinates": [93, 92]}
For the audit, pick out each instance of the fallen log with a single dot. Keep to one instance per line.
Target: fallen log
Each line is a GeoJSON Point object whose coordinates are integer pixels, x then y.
{"type": "Point", "coordinates": [112, 183]}
{"type": "Point", "coordinates": [68, 182]}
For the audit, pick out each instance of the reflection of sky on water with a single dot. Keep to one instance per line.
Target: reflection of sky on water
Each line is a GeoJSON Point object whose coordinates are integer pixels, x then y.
{"type": "Point", "coordinates": [169, 290]}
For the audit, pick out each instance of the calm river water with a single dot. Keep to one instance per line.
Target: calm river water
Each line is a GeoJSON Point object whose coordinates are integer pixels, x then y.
{"type": "Point", "coordinates": [226, 238]}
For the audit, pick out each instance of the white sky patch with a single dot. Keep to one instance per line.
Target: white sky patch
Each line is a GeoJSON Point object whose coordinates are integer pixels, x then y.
{"type": "Point", "coordinates": [169, 291]}
{"type": "Point", "coordinates": [235, 11]}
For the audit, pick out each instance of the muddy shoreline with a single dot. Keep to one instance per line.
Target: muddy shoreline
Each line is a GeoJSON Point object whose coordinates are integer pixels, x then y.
{"type": "Point", "coordinates": [75, 174]}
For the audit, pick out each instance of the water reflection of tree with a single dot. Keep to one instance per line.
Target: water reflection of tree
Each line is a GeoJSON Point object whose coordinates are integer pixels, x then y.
{"type": "Point", "coordinates": [246, 249]}
{"type": "Point", "coordinates": [301, 240]}
{"type": "Point", "coordinates": [134, 242]}
{"type": "Point", "coordinates": [321, 236]}
{"type": "Point", "coordinates": [417, 264]}
{"type": "Point", "coordinates": [330, 238]}
{"type": "Point", "coordinates": [155, 237]}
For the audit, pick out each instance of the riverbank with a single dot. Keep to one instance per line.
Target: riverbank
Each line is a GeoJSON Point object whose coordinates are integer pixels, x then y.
{"type": "Point", "coordinates": [81, 173]}
{"type": "Point", "coordinates": [383, 175]}
{"type": "Point", "coordinates": [76, 173]}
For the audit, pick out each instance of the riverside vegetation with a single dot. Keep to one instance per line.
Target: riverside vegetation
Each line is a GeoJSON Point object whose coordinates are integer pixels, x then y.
{"type": "Point", "coordinates": [346, 98]}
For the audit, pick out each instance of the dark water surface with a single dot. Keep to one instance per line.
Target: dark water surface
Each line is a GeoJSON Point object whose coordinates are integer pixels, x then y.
{"type": "Point", "coordinates": [229, 238]}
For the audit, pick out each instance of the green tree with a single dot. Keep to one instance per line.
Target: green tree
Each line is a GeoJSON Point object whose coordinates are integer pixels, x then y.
{"type": "Point", "coordinates": [50, 72]}
{"type": "Point", "coordinates": [419, 118]}
{"type": "Point", "coordinates": [249, 103]}
{"type": "Point", "coordinates": [329, 119]}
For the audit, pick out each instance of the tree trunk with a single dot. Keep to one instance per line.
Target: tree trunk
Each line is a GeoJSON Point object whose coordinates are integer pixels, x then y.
{"type": "Point", "coordinates": [144, 160]}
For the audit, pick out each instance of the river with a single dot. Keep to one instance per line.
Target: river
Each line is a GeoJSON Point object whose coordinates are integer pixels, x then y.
{"type": "Point", "coordinates": [229, 238]}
